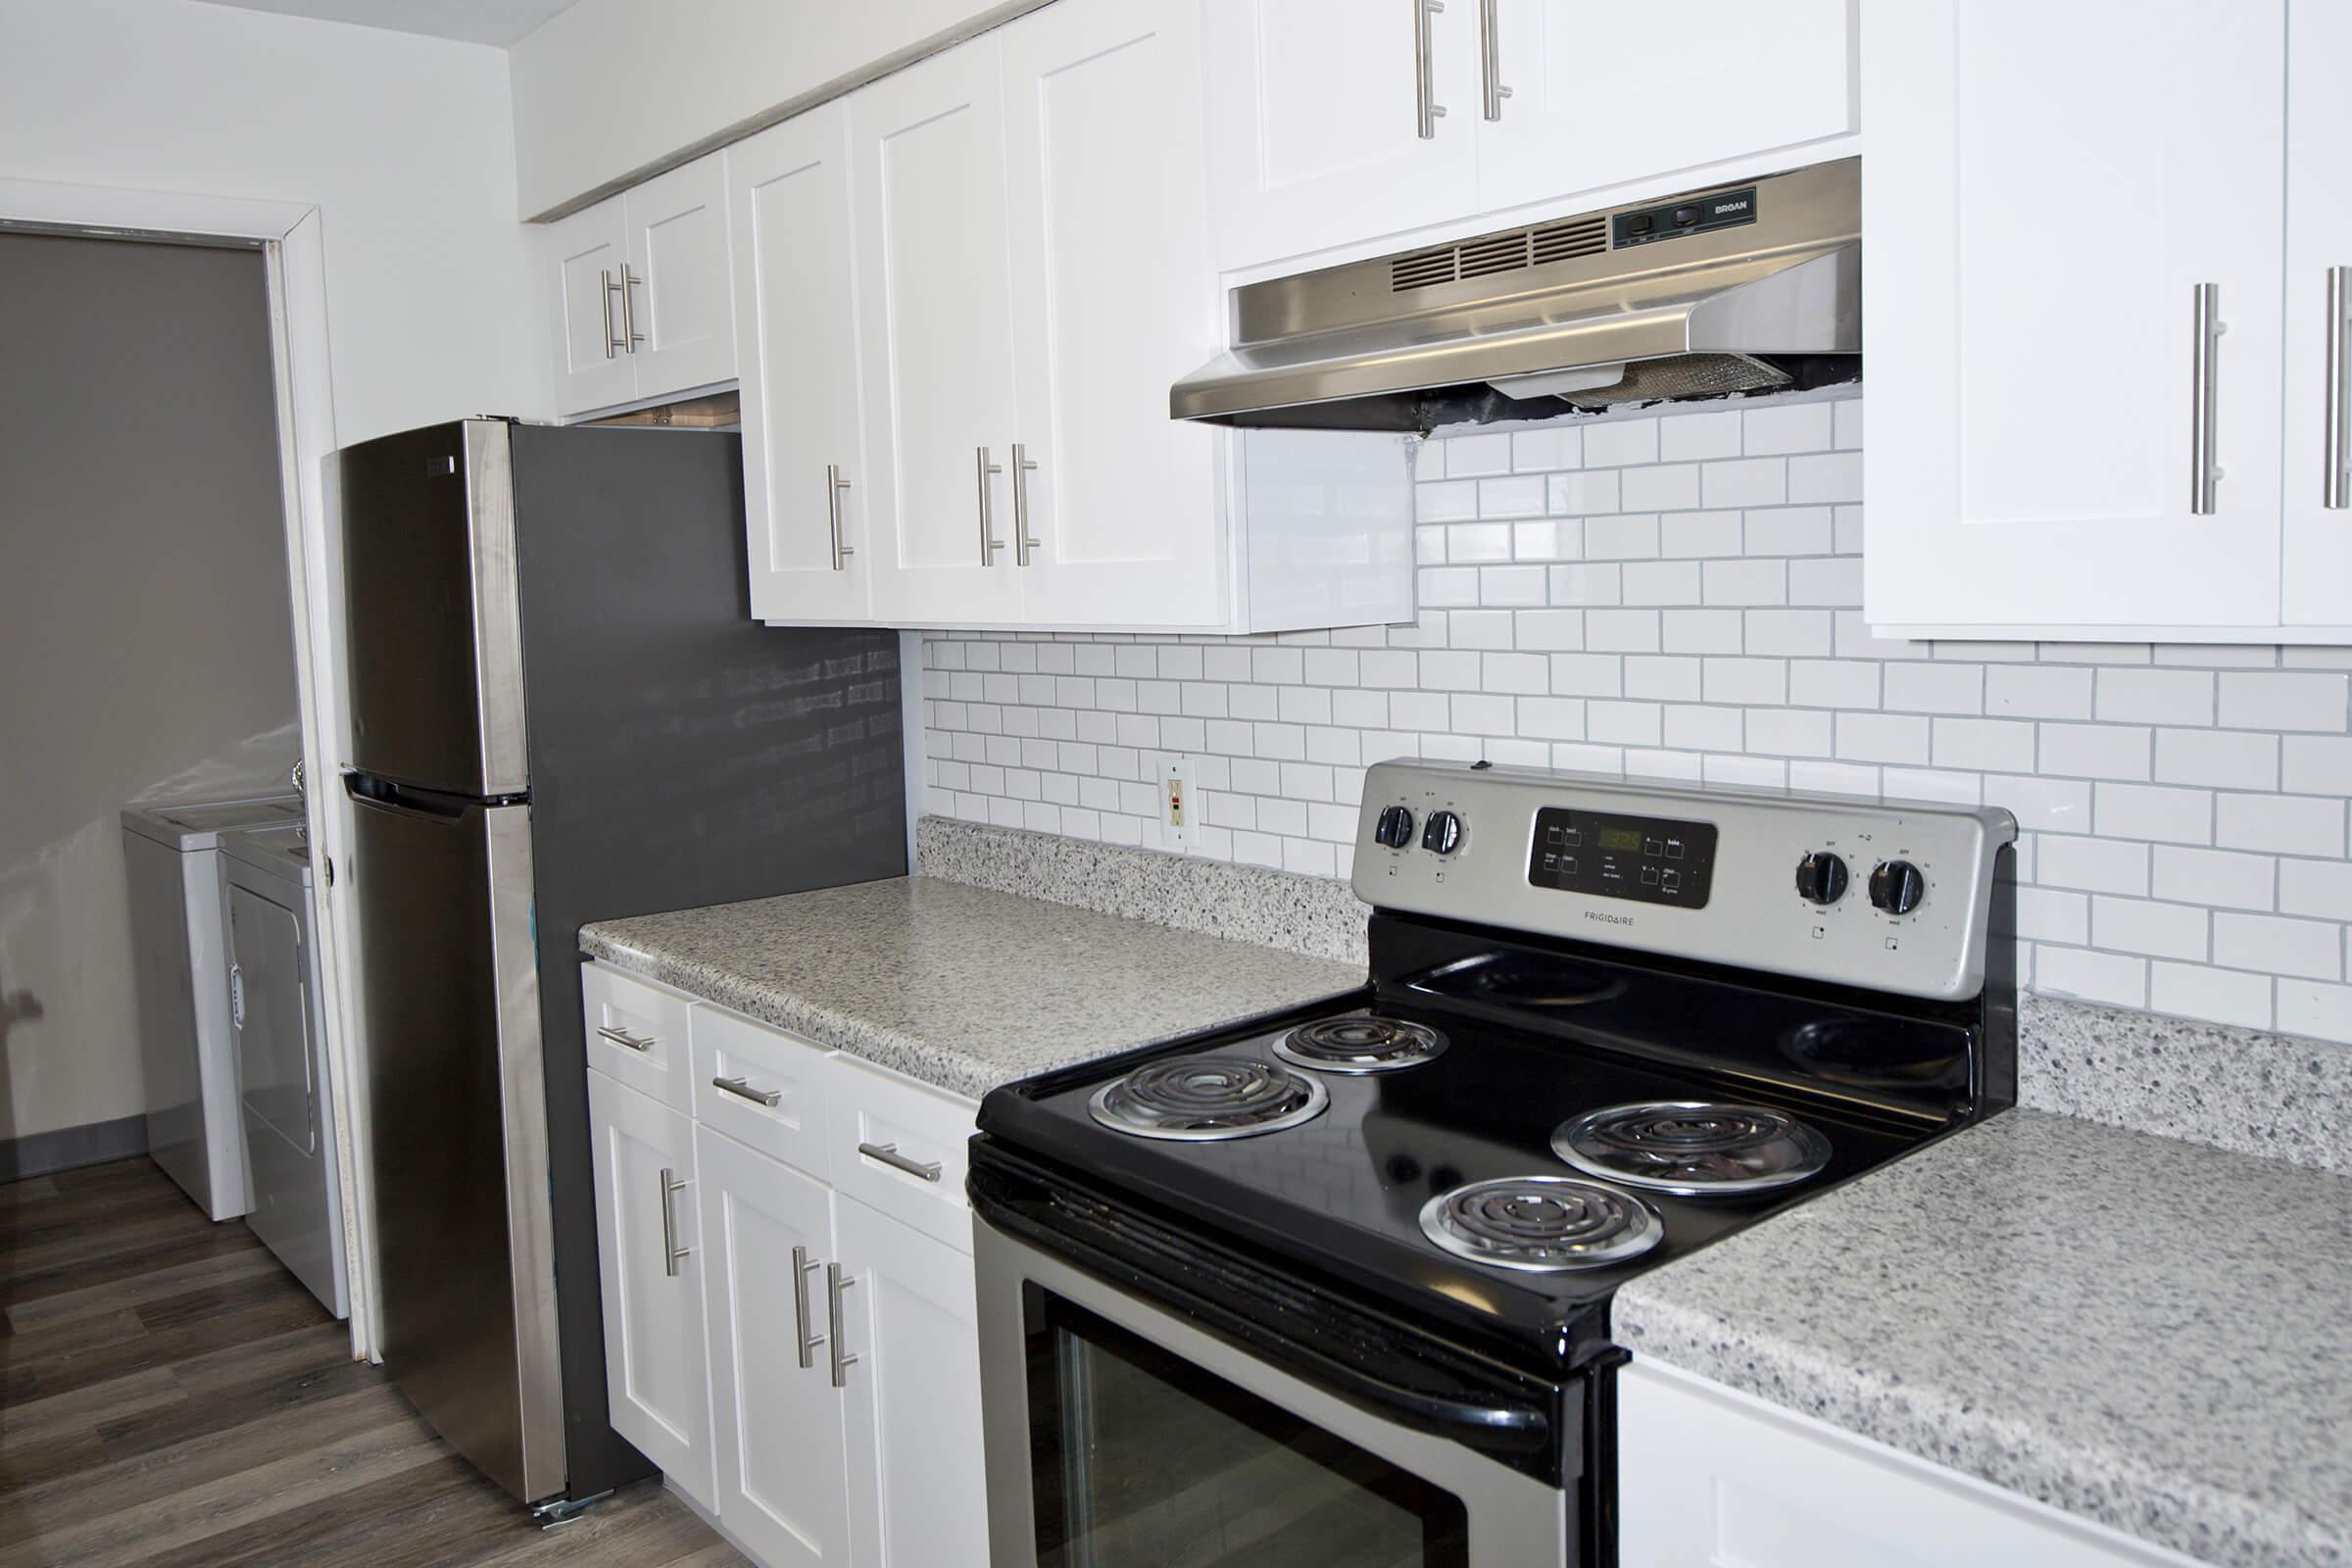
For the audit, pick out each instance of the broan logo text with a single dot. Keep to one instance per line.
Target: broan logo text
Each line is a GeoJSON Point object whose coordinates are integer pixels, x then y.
{"type": "Point", "coordinates": [1612, 919]}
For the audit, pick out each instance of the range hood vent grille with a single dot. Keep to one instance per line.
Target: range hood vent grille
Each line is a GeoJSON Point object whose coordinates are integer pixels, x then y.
{"type": "Point", "coordinates": [1490, 254]}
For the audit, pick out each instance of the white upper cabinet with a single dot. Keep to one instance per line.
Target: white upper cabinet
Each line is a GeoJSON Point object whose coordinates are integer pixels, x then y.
{"type": "Point", "coordinates": [927, 155]}
{"type": "Point", "coordinates": [2317, 412]}
{"type": "Point", "coordinates": [796, 329]}
{"type": "Point", "coordinates": [2074, 330]}
{"type": "Point", "coordinates": [1702, 81]}
{"type": "Point", "coordinates": [1335, 121]}
{"type": "Point", "coordinates": [1114, 297]}
{"type": "Point", "coordinates": [1323, 127]}
{"type": "Point", "coordinates": [644, 307]}
{"type": "Point", "coordinates": [588, 256]}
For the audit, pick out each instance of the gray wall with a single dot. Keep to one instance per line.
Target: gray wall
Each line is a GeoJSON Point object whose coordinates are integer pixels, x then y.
{"type": "Point", "coordinates": [146, 645]}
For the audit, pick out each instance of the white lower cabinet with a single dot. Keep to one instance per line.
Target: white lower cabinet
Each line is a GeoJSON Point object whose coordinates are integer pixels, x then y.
{"type": "Point", "coordinates": [783, 1491]}
{"type": "Point", "coordinates": [802, 1365]}
{"type": "Point", "coordinates": [1769, 1487]}
{"type": "Point", "coordinates": [648, 1246]}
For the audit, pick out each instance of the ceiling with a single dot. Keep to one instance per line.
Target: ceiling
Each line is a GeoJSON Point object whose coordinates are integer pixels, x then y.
{"type": "Point", "coordinates": [492, 21]}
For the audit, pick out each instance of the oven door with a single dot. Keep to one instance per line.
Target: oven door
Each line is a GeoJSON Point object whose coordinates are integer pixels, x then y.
{"type": "Point", "coordinates": [1122, 1435]}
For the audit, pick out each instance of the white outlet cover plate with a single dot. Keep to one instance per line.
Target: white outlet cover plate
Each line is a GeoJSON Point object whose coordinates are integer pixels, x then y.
{"type": "Point", "coordinates": [1177, 775]}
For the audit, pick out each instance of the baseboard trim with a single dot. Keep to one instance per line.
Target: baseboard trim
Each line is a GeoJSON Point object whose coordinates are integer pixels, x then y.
{"type": "Point", "coordinates": [70, 1147]}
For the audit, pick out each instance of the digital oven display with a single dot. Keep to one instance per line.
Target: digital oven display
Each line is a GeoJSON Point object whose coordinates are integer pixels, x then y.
{"type": "Point", "coordinates": [1651, 859]}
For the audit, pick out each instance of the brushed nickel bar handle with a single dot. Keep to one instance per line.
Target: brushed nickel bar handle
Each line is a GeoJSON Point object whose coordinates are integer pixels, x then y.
{"type": "Point", "coordinates": [990, 544]}
{"type": "Point", "coordinates": [670, 1250]}
{"type": "Point", "coordinates": [2338, 494]}
{"type": "Point", "coordinates": [612, 344]}
{"type": "Point", "coordinates": [1023, 465]}
{"type": "Point", "coordinates": [837, 1282]}
{"type": "Point", "coordinates": [628, 307]}
{"type": "Point", "coordinates": [888, 1155]}
{"type": "Point", "coordinates": [1489, 61]}
{"type": "Point", "coordinates": [835, 484]}
{"type": "Point", "coordinates": [803, 1265]}
{"type": "Point", "coordinates": [740, 1087]}
{"type": "Point", "coordinates": [621, 1037]}
{"type": "Point", "coordinates": [2205, 473]}
{"type": "Point", "coordinates": [1425, 79]}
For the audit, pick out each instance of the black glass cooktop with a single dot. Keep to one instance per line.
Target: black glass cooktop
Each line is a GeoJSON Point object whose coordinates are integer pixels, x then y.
{"type": "Point", "coordinates": [1532, 1041]}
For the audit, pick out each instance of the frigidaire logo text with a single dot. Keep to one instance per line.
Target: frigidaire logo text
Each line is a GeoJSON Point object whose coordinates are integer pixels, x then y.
{"type": "Point", "coordinates": [1612, 919]}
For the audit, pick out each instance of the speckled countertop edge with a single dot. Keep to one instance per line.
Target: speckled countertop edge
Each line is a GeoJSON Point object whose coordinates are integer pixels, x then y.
{"type": "Point", "coordinates": [2043, 1303]}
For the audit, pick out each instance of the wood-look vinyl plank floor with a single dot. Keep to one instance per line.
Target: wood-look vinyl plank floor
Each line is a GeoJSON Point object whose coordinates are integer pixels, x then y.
{"type": "Point", "coordinates": [171, 1397]}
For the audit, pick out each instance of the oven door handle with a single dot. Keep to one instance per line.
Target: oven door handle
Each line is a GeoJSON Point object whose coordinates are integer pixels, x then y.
{"type": "Point", "coordinates": [1492, 1426]}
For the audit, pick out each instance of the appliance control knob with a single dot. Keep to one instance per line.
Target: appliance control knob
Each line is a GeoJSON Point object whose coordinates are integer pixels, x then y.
{"type": "Point", "coordinates": [1443, 834]}
{"type": "Point", "coordinates": [1820, 878]}
{"type": "Point", "coordinates": [1898, 886]}
{"type": "Point", "coordinates": [1395, 828]}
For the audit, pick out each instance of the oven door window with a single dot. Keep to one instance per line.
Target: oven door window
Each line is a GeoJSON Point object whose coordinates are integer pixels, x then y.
{"type": "Point", "coordinates": [1143, 1461]}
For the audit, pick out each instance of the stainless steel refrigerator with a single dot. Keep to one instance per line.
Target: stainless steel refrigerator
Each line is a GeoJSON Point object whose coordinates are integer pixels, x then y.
{"type": "Point", "coordinates": [561, 712]}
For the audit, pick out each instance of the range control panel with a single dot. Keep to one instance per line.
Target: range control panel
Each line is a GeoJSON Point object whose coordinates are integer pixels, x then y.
{"type": "Point", "coordinates": [1611, 856]}
{"type": "Point", "coordinates": [1692, 215]}
{"type": "Point", "coordinates": [1891, 895]}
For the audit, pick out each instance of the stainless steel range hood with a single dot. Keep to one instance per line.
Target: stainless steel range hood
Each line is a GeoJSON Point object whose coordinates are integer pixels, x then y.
{"type": "Point", "coordinates": [1737, 288]}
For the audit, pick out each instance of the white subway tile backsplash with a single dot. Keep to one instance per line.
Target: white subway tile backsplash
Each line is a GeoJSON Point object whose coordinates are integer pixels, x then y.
{"type": "Point", "coordinates": [1677, 594]}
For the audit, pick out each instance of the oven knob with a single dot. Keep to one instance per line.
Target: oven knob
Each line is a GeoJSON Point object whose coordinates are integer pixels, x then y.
{"type": "Point", "coordinates": [1395, 828]}
{"type": "Point", "coordinates": [1820, 878]}
{"type": "Point", "coordinates": [1896, 887]}
{"type": "Point", "coordinates": [1444, 834]}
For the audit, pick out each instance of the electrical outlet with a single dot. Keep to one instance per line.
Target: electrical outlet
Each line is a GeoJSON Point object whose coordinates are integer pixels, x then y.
{"type": "Point", "coordinates": [1179, 804]}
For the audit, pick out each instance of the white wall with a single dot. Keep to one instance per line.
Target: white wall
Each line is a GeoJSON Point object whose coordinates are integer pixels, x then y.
{"type": "Point", "coordinates": [404, 143]}
{"type": "Point", "coordinates": [612, 90]}
{"type": "Point", "coordinates": [1677, 595]}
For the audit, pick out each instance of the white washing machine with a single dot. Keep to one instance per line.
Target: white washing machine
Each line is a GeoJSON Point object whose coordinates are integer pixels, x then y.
{"type": "Point", "coordinates": [171, 852]}
{"type": "Point", "coordinates": [295, 1204]}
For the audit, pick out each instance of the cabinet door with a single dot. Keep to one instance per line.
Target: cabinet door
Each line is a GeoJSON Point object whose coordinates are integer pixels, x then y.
{"type": "Point", "coordinates": [781, 1484]}
{"type": "Point", "coordinates": [927, 154]}
{"type": "Point", "coordinates": [681, 307]}
{"type": "Point", "coordinates": [2318, 481]}
{"type": "Point", "coordinates": [586, 254]}
{"type": "Point", "coordinates": [1315, 127]}
{"type": "Point", "coordinates": [1114, 297]}
{"type": "Point", "coordinates": [918, 1496]}
{"type": "Point", "coordinates": [1740, 76]}
{"type": "Point", "coordinates": [648, 1257]}
{"type": "Point", "coordinates": [796, 333]}
{"type": "Point", "coordinates": [2040, 223]}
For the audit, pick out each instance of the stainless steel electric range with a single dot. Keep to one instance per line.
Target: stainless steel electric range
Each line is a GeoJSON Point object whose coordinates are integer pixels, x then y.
{"type": "Point", "coordinates": [1331, 1290]}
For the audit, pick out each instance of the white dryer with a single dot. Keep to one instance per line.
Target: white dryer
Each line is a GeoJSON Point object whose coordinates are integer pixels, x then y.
{"type": "Point", "coordinates": [296, 1203]}
{"type": "Point", "coordinates": [171, 853]}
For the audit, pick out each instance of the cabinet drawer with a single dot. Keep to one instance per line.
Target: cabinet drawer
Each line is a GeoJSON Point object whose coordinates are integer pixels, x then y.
{"type": "Point", "coordinates": [760, 1087]}
{"type": "Point", "coordinates": [903, 1147]}
{"type": "Point", "coordinates": [637, 1032]}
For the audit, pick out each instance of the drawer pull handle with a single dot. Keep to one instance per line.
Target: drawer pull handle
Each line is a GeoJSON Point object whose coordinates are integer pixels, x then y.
{"type": "Point", "coordinates": [770, 1098]}
{"type": "Point", "coordinates": [803, 1265]}
{"type": "Point", "coordinates": [621, 1037]}
{"type": "Point", "coordinates": [888, 1155]}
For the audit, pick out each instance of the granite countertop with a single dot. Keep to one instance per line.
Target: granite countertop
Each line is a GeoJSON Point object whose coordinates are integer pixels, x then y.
{"type": "Point", "coordinates": [2144, 1332]}
{"type": "Point", "coordinates": [959, 986]}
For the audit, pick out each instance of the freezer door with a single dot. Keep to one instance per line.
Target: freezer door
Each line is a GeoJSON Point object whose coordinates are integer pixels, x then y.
{"type": "Point", "coordinates": [435, 635]}
{"type": "Point", "coordinates": [457, 1118]}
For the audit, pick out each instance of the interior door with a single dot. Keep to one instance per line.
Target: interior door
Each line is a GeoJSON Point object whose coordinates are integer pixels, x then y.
{"type": "Point", "coordinates": [680, 300]}
{"type": "Point", "coordinates": [796, 321]}
{"type": "Point", "coordinates": [927, 151]}
{"type": "Point", "coordinates": [782, 1485]}
{"type": "Point", "coordinates": [2056, 211]}
{"type": "Point", "coordinates": [2318, 480]}
{"type": "Point", "coordinates": [649, 1256]}
{"type": "Point", "coordinates": [917, 1481]}
{"type": "Point", "coordinates": [586, 254]}
{"type": "Point", "coordinates": [1114, 297]}
{"type": "Point", "coordinates": [1315, 126]}
{"type": "Point", "coordinates": [1732, 77]}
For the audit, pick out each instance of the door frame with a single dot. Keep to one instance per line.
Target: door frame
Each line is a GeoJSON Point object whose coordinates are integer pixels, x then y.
{"type": "Point", "coordinates": [288, 237]}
